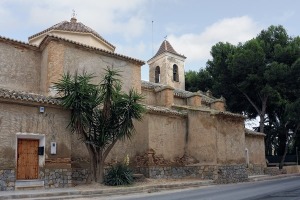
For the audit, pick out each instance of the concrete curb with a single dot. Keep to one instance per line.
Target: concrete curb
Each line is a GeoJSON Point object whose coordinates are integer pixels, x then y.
{"type": "Point", "coordinates": [267, 177]}
{"type": "Point", "coordinates": [68, 193]}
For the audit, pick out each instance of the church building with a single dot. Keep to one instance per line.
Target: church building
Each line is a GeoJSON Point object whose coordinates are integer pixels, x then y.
{"type": "Point", "coordinates": [182, 134]}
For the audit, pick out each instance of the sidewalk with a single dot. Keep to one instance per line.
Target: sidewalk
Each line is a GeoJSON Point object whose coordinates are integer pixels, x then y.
{"type": "Point", "coordinates": [101, 190]}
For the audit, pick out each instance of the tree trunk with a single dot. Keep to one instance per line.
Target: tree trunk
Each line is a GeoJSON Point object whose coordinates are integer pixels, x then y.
{"type": "Point", "coordinates": [262, 122]}
{"type": "Point", "coordinates": [283, 157]}
{"type": "Point", "coordinates": [97, 167]}
{"type": "Point", "coordinates": [287, 144]}
{"type": "Point", "coordinates": [285, 150]}
{"type": "Point", "coordinates": [101, 172]}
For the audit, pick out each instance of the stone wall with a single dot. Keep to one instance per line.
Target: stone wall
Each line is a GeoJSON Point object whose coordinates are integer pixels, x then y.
{"type": "Point", "coordinates": [62, 178]}
{"type": "Point", "coordinates": [221, 174]}
{"type": "Point", "coordinates": [231, 174]}
{"type": "Point", "coordinates": [80, 176]}
{"type": "Point", "coordinates": [255, 169]}
{"type": "Point", "coordinates": [7, 179]}
{"type": "Point", "coordinates": [157, 172]}
{"type": "Point", "coordinates": [57, 178]}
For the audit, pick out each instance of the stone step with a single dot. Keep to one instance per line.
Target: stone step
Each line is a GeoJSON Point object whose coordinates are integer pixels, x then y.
{"type": "Point", "coordinates": [29, 185]}
{"type": "Point", "coordinates": [138, 177]}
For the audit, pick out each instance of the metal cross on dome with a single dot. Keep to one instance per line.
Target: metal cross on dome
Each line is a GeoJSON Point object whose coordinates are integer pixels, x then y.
{"type": "Point", "coordinates": [73, 14]}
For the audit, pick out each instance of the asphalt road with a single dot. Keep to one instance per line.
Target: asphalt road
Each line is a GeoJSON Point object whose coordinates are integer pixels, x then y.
{"type": "Point", "coordinates": [280, 189]}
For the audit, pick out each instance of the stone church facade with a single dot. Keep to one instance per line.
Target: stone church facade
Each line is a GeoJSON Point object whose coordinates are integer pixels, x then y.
{"type": "Point", "coordinates": [183, 134]}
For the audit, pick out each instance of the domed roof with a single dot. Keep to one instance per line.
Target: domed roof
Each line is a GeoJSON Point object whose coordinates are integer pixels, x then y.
{"type": "Point", "coordinates": [73, 26]}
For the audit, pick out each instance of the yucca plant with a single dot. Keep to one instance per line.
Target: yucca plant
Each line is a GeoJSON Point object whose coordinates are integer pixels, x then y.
{"type": "Point", "coordinates": [118, 174]}
{"type": "Point", "coordinates": [101, 114]}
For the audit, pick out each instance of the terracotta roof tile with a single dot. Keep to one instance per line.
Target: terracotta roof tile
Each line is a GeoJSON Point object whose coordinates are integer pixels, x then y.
{"type": "Point", "coordinates": [140, 62]}
{"type": "Point", "coordinates": [253, 133]}
{"type": "Point", "coordinates": [178, 92]}
{"type": "Point", "coordinates": [159, 109]}
{"type": "Point", "coordinates": [73, 26]}
{"type": "Point", "coordinates": [166, 47]}
{"type": "Point", "coordinates": [18, 41]}
{"type": "Point", "coordinates": [26, 96]}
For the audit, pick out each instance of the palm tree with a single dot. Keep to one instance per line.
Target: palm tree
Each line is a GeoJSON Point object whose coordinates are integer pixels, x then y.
{"type": "Point", "coordinates": [100, 114]}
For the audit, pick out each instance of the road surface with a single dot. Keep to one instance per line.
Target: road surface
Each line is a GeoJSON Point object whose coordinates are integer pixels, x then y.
{"type": "Point", "coordinates": [280, 189]}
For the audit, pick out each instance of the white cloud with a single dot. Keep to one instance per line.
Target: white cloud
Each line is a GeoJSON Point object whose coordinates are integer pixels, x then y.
{"type": "Point", "coordinates": [197, 46]}
{"type": "Point", "coordinates": [106, 17]}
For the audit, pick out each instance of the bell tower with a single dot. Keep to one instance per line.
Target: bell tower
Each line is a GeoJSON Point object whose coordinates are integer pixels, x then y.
{"type": "Point", "coordinates": [167, 67]}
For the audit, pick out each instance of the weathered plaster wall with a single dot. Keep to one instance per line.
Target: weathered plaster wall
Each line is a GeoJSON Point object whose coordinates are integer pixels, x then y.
{"type": "Point", "coordinates": [230, 140]}
{"type": "Point", "coordinates": [137, 145]}
{"type": "Point", "coordinates": [44, 82]}
{"type": "Point", "coordinates": [215, 139]}
{"type": "Point", "coordinates": [167, 135]}
{"type": "Point", "coordinates": [202, 137]}
{"type": "Point", "coordinates": [78, 59]}
{"type": "Point", "coordinates": [149, 97]}
{"type": "Point", "coordinates": [179, 101]}
{"type": "Point", "coordinates": [20, 68]}
{"type": "Point", "coordinates": [256, 149]}
{"type": "Point", "coordinates": [15, 118]}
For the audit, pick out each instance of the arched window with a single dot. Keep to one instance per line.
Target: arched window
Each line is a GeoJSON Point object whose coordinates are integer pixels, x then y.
{"type": "Point", "coordinates": [157, 74]}
{"type": "Point", "coordinates": [175, 73]}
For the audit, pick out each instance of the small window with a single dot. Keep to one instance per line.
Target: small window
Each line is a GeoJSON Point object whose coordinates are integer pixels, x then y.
{"type": "Point", "coordinates": [175, 73]}
{"type": "Point", "coordinates": [157, 74]}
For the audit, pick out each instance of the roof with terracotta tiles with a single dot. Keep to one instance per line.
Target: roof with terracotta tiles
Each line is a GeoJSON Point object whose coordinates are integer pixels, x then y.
{"type": "Point", "coordinates": [73, 26]}
{"type": "Point", "coordinates": [159, 109]}
{"type": "Point", "coordinates": [10, 40]}
{"type": "Point", "coordinates": [253, 133]}
{"type": "Point", "coordinates": [130, 59]}
{"type": "Point", "coordinates": [27, 97]}
{"type": "Point", "coordinates": [51, 36]}
{"type": "Point", "coordinates": [178, 92]}
{"type": "Point", "coordinates": [166, 47]}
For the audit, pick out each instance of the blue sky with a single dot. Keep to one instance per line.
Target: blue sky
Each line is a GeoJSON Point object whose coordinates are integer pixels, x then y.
{"type": "Point", "coordinates": [192, 26]}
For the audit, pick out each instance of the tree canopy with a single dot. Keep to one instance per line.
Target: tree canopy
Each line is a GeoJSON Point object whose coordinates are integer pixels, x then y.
{"type": "Point", "coordinates": [258, 78]}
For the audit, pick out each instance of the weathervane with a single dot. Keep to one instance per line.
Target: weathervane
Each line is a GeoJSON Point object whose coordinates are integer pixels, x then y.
{"type": "Point", "coordinates": [73, 14]}
{"type": "Point", "coordinates": [166, 37]}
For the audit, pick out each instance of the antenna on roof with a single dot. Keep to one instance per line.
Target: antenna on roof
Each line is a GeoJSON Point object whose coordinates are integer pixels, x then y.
{"type": "Point", "coordinates": [152, 37]}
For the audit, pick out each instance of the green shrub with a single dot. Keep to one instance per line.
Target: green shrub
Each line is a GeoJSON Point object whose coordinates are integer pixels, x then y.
{"type": "Point", "coordinates": [119, 174]}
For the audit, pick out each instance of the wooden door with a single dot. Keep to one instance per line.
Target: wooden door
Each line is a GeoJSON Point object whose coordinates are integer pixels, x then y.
{"type": "Point", "coordinates": [28, 159]}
